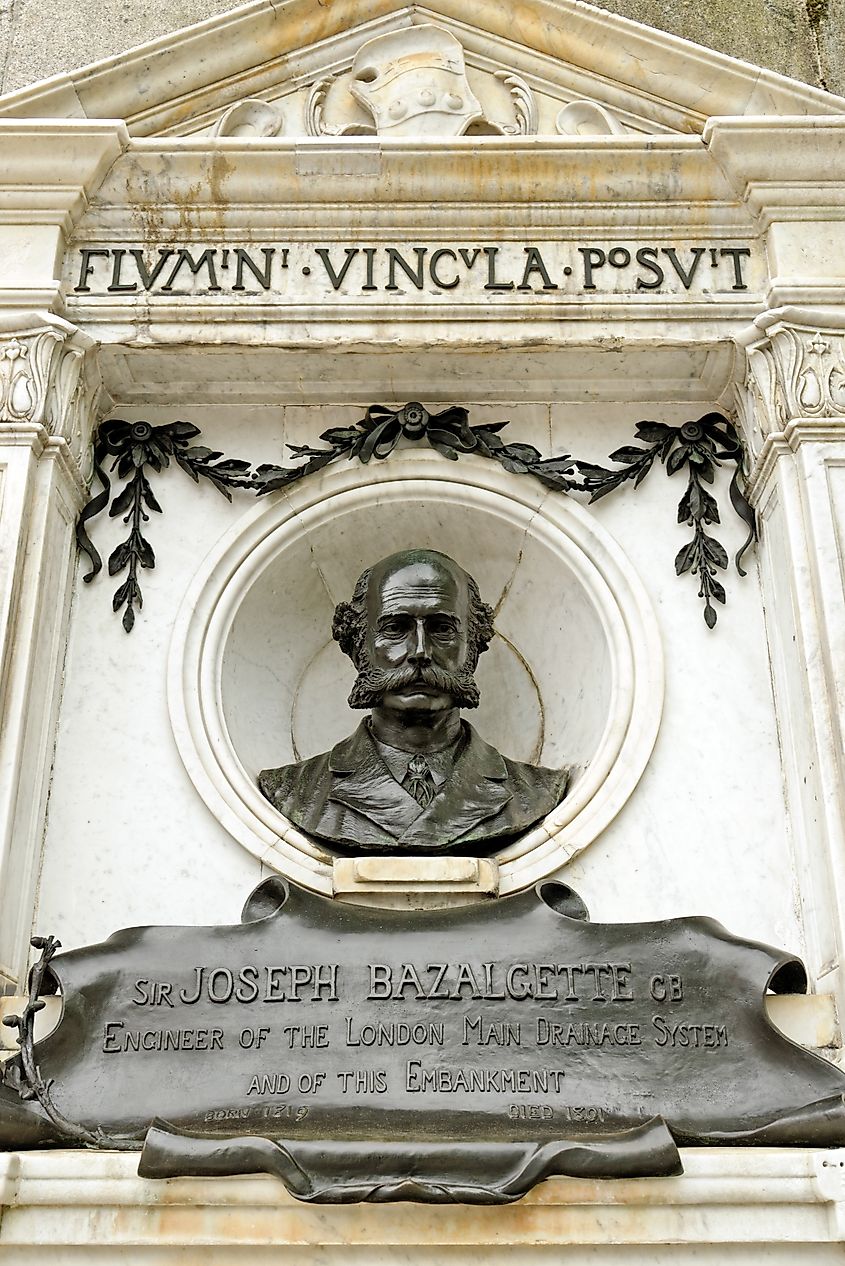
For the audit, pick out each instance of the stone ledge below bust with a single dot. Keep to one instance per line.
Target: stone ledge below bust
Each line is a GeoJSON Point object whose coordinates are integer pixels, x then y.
{"type": "Point", "coordinates": [731, 1204]}
{"type": "Point", "coordinates": [415, 881]}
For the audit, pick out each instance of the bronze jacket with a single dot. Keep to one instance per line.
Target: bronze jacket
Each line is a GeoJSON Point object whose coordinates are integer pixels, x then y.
{"type": "Point", "coordinates": [348, 798]}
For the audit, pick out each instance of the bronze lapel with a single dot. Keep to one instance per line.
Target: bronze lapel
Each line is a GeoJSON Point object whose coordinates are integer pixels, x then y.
{"type": "Point", "coordinates": [476, 791]}
{"type": "Point", "coordinates": [361, 781]}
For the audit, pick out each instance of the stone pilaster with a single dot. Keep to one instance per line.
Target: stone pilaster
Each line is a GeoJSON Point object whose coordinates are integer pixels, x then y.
{"type": "Point", "coordinates": [49, 389]}
{"type": "Point", "coordinates": [792, 407]}
{"type": "Point", "coordinates": [791, 404]}
{"type": "Point", "coordinates": [49, 392]}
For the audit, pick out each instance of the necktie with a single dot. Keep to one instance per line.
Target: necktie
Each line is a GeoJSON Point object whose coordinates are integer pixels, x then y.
{"type": "Point", "coordinates": [418, 781]}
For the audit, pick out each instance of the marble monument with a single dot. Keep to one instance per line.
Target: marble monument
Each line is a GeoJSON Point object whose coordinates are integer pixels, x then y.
{"type": "Point", "coordinates": [215, 227]}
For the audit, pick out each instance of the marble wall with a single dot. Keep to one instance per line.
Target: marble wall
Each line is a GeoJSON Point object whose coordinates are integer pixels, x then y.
{"type": "Point", "coordinates": [127, 822]}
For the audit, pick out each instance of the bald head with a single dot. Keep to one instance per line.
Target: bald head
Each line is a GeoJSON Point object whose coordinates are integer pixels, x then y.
{"type": "Point", "coordinates": [422, 561]}
{"type": "Point", "coordinates": [417, 575]}
{"type": "Point", "coordinates": [414, 611]}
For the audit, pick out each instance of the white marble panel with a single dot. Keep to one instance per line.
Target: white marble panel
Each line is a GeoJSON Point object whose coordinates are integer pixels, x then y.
{"type": "Point", "coordinates": [127, 840]}
{"type": "Point", "coordinates": [700, 833]}
{"type": "Point", "coordinates": [706, 829]}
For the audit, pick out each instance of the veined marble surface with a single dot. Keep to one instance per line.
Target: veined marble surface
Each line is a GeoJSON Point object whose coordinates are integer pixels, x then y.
{"type": "Point", "coordinates": [744, 1205]}
{"type": "Point", "coordinates": [703, 832]}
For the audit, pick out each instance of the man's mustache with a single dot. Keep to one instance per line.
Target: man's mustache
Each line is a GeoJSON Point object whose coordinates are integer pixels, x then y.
{"type": "Point", "coordinates": [373, 683]}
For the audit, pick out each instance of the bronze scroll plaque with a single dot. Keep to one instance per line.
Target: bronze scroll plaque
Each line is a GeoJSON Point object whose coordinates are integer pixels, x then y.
{"type": "Point", "coordinates": [448, 1054]}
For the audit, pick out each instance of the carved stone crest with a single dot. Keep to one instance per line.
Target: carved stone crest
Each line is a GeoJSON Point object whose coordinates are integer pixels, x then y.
{"type": "Point", "coordinates": [414, 82]}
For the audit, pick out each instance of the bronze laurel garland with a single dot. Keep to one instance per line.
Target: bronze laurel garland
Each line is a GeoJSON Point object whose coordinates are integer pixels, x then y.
{"type": "Point", "coordinates": [137, 448]}
{"type": "Point", "coordinates": [22, 1073]}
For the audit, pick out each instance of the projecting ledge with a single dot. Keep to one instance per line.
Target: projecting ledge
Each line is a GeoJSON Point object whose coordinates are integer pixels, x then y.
{"type": "Point", "coordinates": [93, 1208]}
{"type": "Point", "coordinates": [419, 877]}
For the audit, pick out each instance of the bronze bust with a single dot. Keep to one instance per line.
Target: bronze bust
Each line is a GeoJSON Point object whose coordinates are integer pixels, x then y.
{"type": "Point", "coordinates": [414, 777]}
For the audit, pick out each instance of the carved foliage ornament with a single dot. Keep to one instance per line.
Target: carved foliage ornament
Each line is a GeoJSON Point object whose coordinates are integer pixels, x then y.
{"type": "Point", "coordinates": [42, 382]}
{"type": "Point", "coordinates": [22, 386]}
{"type": "Point", "coordinates": [315, 115]}
{"type": "Point", "coordinates": [797, 373]}
{"type": "Point", "coordinates": [698, 448]}
{"type": "Point", "coordinates": [817, 377]}
{"type": "Point", "coordinates": [28, 367]}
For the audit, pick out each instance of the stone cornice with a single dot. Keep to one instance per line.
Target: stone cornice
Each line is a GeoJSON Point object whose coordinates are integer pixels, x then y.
{"type": "Point", "coordinates": [59, 451]}
{"type": "Point", "coordinates": [778, 444]}
{"type": "Point", "coordinates": [827, 318]}
{"type": "Point", "coordinates": [45, 446]}
{"type": "Point", "coordinates": [189, 175]}
{"type": "Point", "coordinates": [784, 168]}
{"type": "Point", "coordinates": [50, 169]}
{"type": "Point", "coordinates": [24, 435]}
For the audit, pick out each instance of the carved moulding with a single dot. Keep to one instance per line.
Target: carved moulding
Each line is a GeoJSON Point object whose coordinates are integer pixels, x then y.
{"type": "Point", "coordinates": [252, 678]}
{"type": "Point", "coordinates": [526, 115]}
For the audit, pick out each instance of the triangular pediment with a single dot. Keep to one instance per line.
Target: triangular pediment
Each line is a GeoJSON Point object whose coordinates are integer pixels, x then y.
{"type": "Point", "coordinates": [455, 67]}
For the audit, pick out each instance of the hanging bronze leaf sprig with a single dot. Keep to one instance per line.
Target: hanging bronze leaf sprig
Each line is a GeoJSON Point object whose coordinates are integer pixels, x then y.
{"type": "Point", "coordinates": [698, 447]}
{"type": "Point", "coordinates": [139, 447]}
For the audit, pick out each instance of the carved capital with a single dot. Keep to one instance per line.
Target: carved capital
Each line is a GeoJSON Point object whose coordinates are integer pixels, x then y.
{"type": "Point", "coordinates": [792, 371]}
{"type": "Point", "coordinates": [48, 378]}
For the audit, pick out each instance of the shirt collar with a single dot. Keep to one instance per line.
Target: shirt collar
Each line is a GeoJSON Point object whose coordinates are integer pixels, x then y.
{"type": "Point", "coordinates": [441, 763]}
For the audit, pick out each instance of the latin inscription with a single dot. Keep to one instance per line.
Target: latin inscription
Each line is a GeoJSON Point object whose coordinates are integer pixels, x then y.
{"type": "Point", "coordinates": [301, 272]}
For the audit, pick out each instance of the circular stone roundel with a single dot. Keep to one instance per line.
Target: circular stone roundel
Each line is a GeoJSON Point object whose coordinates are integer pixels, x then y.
{"type": "Point", "coordinates": [574, 676]}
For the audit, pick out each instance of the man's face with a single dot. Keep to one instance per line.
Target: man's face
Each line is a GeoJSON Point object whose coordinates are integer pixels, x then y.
{"type": "Point", "coordinates": [417, 622]}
